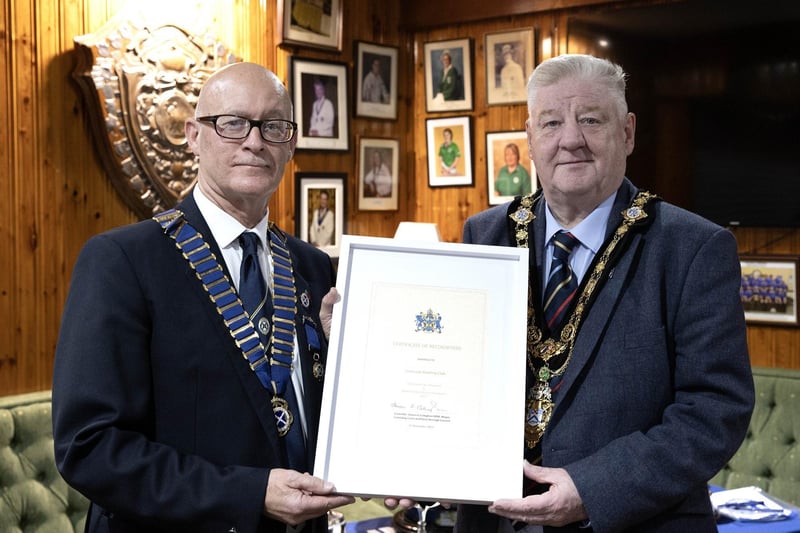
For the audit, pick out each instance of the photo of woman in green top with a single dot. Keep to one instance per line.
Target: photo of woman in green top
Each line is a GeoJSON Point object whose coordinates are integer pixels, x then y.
{"type": "Point", "coordinates": [512, 179]}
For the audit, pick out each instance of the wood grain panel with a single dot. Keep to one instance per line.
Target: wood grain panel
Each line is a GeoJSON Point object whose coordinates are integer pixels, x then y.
{"type": "Point", "coordinates": [54, 195]}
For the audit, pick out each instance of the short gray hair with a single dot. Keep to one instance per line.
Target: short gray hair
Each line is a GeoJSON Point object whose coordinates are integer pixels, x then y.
{"type": "Point", "coordinates": [580, 66]}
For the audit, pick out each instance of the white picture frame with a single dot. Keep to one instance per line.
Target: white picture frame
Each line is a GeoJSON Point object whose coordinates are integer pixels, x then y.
{"type": "Point", "coordinates": [427, 352]}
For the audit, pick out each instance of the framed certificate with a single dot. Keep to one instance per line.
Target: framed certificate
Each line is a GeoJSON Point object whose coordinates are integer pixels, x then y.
{"type": "Point", "coordinates": [424, 391]}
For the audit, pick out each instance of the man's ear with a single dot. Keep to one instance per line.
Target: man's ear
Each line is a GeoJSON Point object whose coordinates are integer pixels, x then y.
{"type": "Point", "coordinates": [191, 130]}
{"type": "Point", "coordinates": [630, 132]}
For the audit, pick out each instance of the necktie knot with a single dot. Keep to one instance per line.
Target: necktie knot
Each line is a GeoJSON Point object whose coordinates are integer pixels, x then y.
{"type": "Point", "coordinates": [249, 242]}
{"type": "Point", "coordinates": [252, 287]}
{"type": "Point", "coordinates": [563, 243]}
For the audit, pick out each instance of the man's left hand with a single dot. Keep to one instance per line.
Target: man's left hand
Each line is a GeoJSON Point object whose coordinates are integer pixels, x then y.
{"type": "Point", "coordinates": [559, 506]}
{"type": "Point", "coordinates": [326, 310]}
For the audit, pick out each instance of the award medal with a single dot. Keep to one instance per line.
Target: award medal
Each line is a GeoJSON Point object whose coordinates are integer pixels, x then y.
{"type": "Point", "coordinates": [263, 325]}
{"type": "Point", "coordinates": [539, 405]}
{"type": "Point", "coordinates": [318, 370]}
{"type": "Point", "coordinates": [283, 416]}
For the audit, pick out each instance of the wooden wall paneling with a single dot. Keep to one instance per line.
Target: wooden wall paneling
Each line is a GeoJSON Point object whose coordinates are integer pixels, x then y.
{"type": "Point", "coordinates": [24, 145]}
{"type": "Point", "coordinates": [49, 201]}
{"type": "Point", "coordinates": [54, 195]}
{"type": "Point", "coordinates": [8, 297]}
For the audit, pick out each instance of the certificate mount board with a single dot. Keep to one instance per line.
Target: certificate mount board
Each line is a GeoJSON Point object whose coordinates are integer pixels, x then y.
{"type": "Point", "coordinates": [424, 391]}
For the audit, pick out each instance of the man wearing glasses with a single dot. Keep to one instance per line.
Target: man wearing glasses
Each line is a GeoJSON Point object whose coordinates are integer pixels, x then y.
{"type": "Point", "coordinates": [191, 356]}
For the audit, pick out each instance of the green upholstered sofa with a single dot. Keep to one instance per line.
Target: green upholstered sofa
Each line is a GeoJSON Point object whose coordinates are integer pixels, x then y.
{"type": "Point", "coordinates": [769, 457]}
{"type": "Point", "coordinates": [33, 496]}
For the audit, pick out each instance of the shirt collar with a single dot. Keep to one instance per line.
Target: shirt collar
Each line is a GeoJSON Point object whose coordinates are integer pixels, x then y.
{"type": "Point", "coordinates": [224, 228]}
{"type": "Point", "coordinates": [591, 231]}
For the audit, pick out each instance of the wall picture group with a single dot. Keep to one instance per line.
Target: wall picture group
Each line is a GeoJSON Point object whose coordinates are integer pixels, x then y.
{"type": "Point", "coordinates": [320, 97]}
{"type": "Point", "coordinates": [510, 58]}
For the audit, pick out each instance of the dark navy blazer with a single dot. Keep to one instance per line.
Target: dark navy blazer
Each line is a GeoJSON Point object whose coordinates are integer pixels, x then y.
{"type": "Point", "coordinates": [157, 417]}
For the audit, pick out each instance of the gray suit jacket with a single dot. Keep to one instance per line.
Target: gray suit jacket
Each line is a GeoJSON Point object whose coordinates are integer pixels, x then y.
{"type": "Point", "coordinates": [658, 393]}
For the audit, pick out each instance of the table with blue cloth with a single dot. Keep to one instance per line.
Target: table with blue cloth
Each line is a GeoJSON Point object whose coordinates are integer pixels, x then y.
{"type": "Point", "coordinates": [790, 525]}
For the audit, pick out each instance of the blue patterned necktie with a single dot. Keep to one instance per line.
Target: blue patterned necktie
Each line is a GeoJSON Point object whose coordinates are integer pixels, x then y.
{"type": "Point", "coordinates": [255, 298]}
{"type": "Point", "coordinates": [561, 284]}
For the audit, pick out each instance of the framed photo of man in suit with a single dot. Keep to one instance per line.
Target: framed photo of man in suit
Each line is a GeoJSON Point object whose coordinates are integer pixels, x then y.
{"type": "Point", "coordinates": [378, 171]}
{"type": "Point", "coordinates": [319, 95]}
{"type": "Point", "coordinates": [375, 81]}
{"type": "Point", "coordinates": [320, 207]}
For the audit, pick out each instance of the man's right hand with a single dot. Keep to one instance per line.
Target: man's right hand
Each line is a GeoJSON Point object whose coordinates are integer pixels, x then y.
{"type": "Point", "coordinates": [293, 497]}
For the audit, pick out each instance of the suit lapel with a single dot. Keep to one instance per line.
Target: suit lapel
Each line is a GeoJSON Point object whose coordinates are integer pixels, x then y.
{"type": "Point", "coordinates": [599, 314]}
{"type": "Point", "coordinates": [312, 387]}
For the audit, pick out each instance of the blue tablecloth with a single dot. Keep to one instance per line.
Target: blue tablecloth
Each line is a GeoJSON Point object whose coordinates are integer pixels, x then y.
{"type": "Point", "coordinates": [790, 525]}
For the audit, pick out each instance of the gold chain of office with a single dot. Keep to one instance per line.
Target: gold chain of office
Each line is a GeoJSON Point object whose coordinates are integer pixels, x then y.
{"type": "Point", "coordinates": [539, 407]}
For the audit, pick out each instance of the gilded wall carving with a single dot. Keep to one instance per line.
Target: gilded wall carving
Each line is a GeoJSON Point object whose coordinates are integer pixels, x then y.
{"type": "Point", "coordinates": [140, 84]}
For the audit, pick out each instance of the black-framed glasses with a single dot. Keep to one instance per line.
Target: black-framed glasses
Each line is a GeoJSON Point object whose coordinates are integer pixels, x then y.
{"type": "Point", "coordinates": [235, 127]}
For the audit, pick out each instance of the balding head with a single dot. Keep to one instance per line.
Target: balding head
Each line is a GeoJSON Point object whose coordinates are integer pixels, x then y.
{"type": "Point", "coordinates": [250, 75]}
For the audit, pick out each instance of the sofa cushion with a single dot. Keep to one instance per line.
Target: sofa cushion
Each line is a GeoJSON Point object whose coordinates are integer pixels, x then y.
{"type": "Point", "coordinates": [769, 457]}
{"type": "Point", "coordinates": [33, 496]}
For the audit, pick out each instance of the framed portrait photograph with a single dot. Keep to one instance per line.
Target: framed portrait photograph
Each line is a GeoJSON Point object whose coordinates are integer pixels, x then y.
{"type": "Point", "coordinates": [449, 151]}
{"type": "Point", "coordinates": [319, 95]}
{"type": "Point", "coordinates": [375, 81]}
{"type": "Point", "coordinates": [510, 58]}
{"type": "Point", "coordinates": [313, 23]}
{"type": "Point", "coordinates": [509, 169]}
{"type": "Point", "coordinates": [769, 289]}
{"type": "Point", "coordinates": [378, 171]}
{"type": "Point", "coordinates": [448, 75]}
{"type": "Point", "coordinates": [320, 207]}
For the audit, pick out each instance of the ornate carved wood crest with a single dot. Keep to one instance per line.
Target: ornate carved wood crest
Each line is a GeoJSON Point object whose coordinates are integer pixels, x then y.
{"type": "Point", "coordinates": [139, 85]}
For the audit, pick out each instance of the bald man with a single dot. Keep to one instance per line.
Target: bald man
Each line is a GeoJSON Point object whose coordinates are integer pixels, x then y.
{"type": "Point", "coordinates": [176, 407]}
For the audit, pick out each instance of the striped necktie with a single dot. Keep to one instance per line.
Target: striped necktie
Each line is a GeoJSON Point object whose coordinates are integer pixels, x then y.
{"type": "Point", "coordinates": [561, 284]}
